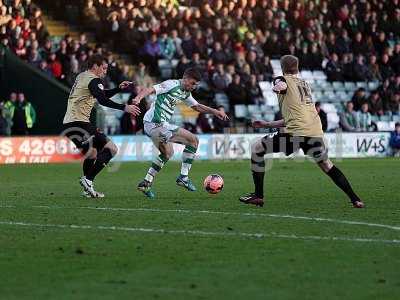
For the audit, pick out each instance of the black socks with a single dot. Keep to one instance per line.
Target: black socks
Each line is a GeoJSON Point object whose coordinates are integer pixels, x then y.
{"type": "Point", "coordinates": [340, 180]}
{"type": "Point", "coordinates": [102, 160]}
{"type": "Point", "coordinates": [87, 165]}
{"type": "Point", "coordinates": [258, 179]}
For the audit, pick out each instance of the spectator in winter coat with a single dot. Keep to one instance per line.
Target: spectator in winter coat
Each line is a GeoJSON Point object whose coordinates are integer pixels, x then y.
{"type": "Point", "coordinates": [364, 120]}
{"type": "Point", "coordinates": [237, 92]}
{"type": "Point", "coordinates": [348, 118]}
{"type": "Point", "coordinates": [394, 141]}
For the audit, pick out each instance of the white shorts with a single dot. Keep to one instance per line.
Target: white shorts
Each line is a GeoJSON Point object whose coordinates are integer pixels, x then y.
{"type": "Point", "coordinates": [160, 132]}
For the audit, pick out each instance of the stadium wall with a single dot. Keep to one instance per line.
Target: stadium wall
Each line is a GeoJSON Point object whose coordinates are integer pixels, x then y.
{"type": "Point", "coordinates": [48, 96]}
{"type": "Point", "coordinates": [55, 149]}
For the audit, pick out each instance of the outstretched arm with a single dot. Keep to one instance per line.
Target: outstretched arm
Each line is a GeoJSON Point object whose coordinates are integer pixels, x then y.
{"type": "Point", "coordinates": [123, 86]}
{"type": "Point", "coordinates": [266, 124]}
{"type": "Point", "coordinates": [144, 92]}
{"type": "Point", "coordinates": [206, 109]}
{"type": "Point", "coordinates": [96, 89]}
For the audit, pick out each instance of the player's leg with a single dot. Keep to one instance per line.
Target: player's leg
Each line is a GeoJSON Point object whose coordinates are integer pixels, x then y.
{"type": "Point", "coordinates": [315, 148]}
{"type": "Point", "coordinates": [277, 143]}
{"type": "Point", "coordinates": [166, 152]}
{"type": "Point", "coordinates": [81, 134]}
{"type": "Point", "coordinates": [104, 155]}
{"type": "Point", "coordinates": [191, 143]}
{"type": "Point", "coordinates": [105, 150]}
{"type": "Point", "coordinates": [88, 162]}
{"type": "Point", "coordinates": [160, 135]}
{"type": "Point", "coordinates": [258, 151]}
{"type": "Point", "coordinates": [341, 181]}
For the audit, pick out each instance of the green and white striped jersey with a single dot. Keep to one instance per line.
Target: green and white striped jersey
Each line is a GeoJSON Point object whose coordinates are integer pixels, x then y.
{"type": "Point", "coordinates": [168, 93]}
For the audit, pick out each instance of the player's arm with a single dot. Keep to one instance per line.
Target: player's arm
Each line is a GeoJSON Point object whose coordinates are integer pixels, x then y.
{"type": "Point", "coordinates": [96, 89]}
{"type": "Point", "coordinates": [121, 88]}
{"type": "Point", "coordinates": [201, 108]}
{"type": "Point", "coordinates": [280, 85]}
{"type": "Point", "coordinates": [268, 124]}
{"type": "Point", "coordinates": [158, 89]}
{"type": "Point", "coordinates": [144, 92]}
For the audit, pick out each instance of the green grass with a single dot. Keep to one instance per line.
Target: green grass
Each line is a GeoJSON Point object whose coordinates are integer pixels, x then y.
{"type": "Point", "coordinates": [94, 263]}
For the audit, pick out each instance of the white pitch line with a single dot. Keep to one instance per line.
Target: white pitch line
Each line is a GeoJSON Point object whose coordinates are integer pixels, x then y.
{"type": "Point", "coordinates": [184, 211]}
{"type": "Point", "coordinates": [203, 233]}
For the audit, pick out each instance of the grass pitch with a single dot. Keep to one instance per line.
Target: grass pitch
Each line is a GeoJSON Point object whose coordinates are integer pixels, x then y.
{"type": "Point", "coordinates": [306, 243]}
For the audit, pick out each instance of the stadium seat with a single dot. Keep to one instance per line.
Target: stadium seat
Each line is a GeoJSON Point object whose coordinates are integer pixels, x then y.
{"type": "Point", "coordinates": [275, 64]}
{"type": "Point", "coordinates": [338, 85]}
{"type": "Point", "coordinates": [385, 126]}
{"type": "Point", "coordinates": [396, 118]}
{"type": "Point", "coordinates": [329, 95]}
{"type": "Point", "coordinates": [385, 118]}
{"type": "Point", "coordinates": [240, 111]}
{"type": "Point", "coordinates": [222, 99]}
{"type": "Point", "coordinates": [270, 98]}
{"type": "Point", "coordinates": [328, 107]}
{"type": "Point", "coordinates": [306, 75]}
{"type": "Point", "coordinates": [265, 85]}
{"type": "Point", "coordinates": [339, 107]}
{"type": "Point", "coordinates": [319, 75]}
{"type": "Point", "coordinates": [254, 109]}
{"type": "Point", "coordinates": [317, 96]}
{"type": "Point", "coordinates": [165, 68]}
{"type": "Point", "coordinates": [361, 84]}
{"type": "Point", "coordinates": [375, 118]}
{"type": "Point", "coordinates": [373, 85]}
{"type": "Point", "coordinates": [174, 63]}
{"type": "Point", "coordinates": [269, 116]}
{"type": "Point", "coordinates": [322, 84]}
{"type": "Point", "coordinates": [350, 86]}
{"type": "Point", "coordinates": [342, 96]}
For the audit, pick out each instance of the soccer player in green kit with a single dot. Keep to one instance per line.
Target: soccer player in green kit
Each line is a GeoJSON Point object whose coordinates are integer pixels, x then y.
{"type": "Point", "coordinates": [163, 134]}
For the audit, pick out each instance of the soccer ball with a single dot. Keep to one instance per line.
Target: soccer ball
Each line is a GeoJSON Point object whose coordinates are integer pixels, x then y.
{"type": "Point", "coordinates": [213, 183]}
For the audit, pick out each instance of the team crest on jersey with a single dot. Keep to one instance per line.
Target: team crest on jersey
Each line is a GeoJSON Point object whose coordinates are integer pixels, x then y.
{"type": "Point", "coordinates": [100, 86]}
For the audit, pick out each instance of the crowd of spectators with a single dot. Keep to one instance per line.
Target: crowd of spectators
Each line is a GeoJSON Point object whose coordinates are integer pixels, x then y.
{"type": "Point", "coordinates": [360, 110]}
{"type": "Point", "coordinates": [350, 40]}
{"type": "Point", "coordinates": [23, 31]}
{"type": "Point", "coordinates": [231, 42]}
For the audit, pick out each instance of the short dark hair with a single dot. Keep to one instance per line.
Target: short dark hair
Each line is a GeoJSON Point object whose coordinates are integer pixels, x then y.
{"type": "Point", "coordinates": [397, 124]}
{"type": "Point", "coordinates": [290, 64]}
{"type": "Point", "coordinates": [95, 59]}
{"type": "Point", "coordinates": [192, 73]}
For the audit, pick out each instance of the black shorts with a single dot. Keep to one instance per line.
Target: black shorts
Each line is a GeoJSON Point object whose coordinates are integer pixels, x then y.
{"type": "Point", "coordinates": [288, 144]}
{"type": "Point", "coordinates": [85, 136]}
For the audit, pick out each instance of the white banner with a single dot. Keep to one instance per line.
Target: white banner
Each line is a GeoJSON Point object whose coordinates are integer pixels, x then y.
{"type": "Point", "coordinates": [238, 146]}
{"type": "Point", "coordinates": [211, 147]}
